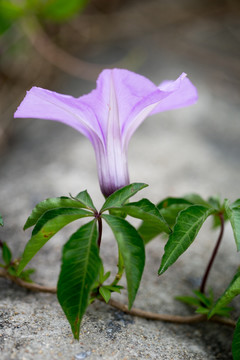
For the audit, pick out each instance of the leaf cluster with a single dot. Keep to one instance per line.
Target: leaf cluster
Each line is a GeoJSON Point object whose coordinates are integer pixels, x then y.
{"type": "Point", "coordinates": [10, 264]}
{"type": "Point", "coordinates": [186, 217]}
{"type": "Point", "coordinates": [82, 277]}
{"type": "Point", "coordinates": [53, 10]}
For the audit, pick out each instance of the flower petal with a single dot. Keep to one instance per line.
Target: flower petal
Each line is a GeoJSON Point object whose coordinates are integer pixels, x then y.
{"type": "Point", "coordinates": [183, 93]}
{"type": "Point", "coordinates": [169, 95]}
{"type": "Point", "coordinates": [45, 104]}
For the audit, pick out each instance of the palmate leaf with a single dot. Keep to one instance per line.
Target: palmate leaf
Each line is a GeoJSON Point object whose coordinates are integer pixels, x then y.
{"type": "Point", "coordinates": [119, 197]}
{"type": "Point", "coordinates": [233, 213]}
{"type": "Point", "coordinates": [188, 224]}
{"type": "Point", "coordinates": [169, 209]}
{"type": "Point", "coordinates": [47, 226]}
{"type": "Point", "coordinates": [79, 271]}
{"type": "Point", "coordinates": [149, 213]}
{"type": "Point", "coordinates": [236, 342]}
{"type": "Point", "coordinates": [229, 294]}
{"type": "Point", "coordinates": [50, 204]}
{"type": "Point", "coordinates": [131, 247]}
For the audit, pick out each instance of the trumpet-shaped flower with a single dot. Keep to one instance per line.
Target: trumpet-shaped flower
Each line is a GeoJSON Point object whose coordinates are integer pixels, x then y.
{"type": "Point", "coordinates": [109, 115]}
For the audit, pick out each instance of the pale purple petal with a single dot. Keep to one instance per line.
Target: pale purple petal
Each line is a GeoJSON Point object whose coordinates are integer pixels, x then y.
{"type": "Point", "coordinates": [183, 93]}
{"type": "Point", "coordinates": [169, 95]}
{"type": "Point", "coordinates": [45, 104]}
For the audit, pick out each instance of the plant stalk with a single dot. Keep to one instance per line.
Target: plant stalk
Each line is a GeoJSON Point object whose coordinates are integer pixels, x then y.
{"type": "Point", "coordinates": [215, 250]}
{"type": "Point", "coordinates": [99, 219]}
{"type": "Point", "coordinates": [120, 269]}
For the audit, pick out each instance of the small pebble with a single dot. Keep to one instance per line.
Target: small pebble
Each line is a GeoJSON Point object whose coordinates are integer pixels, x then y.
{"type": "Point", "coordinates": [82, 355]}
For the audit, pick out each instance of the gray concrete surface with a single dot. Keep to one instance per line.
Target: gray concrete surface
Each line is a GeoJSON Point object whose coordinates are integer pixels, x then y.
{"type": "Point", "coordinates": [189, 150]}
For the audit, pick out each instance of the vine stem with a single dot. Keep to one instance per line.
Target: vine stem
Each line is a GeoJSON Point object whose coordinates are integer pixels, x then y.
{"type": "Point", "coordinates": [120, 270]}
{"type": "Point", "coordinates": [215, 250]}
{"type": "Point", "coordinates": [122, 307]}
{"type": "Point", "coordinates": [99, 219]}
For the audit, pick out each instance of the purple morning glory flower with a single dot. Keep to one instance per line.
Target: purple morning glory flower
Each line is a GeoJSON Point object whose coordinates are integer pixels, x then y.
{"type": "Point", "coordinates": [109, 115]}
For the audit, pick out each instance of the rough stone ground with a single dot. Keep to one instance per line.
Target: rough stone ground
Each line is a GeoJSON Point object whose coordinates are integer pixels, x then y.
{"type": "Point", "coordinates": [190, 150]}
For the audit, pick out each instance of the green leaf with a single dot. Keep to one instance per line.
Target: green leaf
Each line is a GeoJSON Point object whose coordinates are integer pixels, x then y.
{"type": "Point", "coordinates": [114, 288]}
{"type": "Point", "coordinates": [196, 199]}
{"type": "Point", "coordinates": [79, 271]}
{"type": "Point", "coordinates": [153, 221]}
{"type": "Point", "coordinates": [170, 208]}
{"type": "Point", "coordinates": [236, 342]}
{"type": "Point", "coordinates": [106, 276]}
{"type": "Point", "coordinates": [119, 197]}
{"type": "Point", "coordinates": [229, 294]}
{"type": "Point", "coordinates": [202, 310]}
{"type": "Point", "coordinates": [1, 220]}
{"type": "Point", "coordinates": [60, 10]}
{"type": "Point", "coordinates": [6, 254]}
{"type": "Point", "coordinates": [50, 204]}
{"type": "Point", "coordinates": [236, 203]}
{"type": "Point", "coordinates": [131, 247]}
{"type": "Point", "coordinates": [189, 300]}
{"type": "Point", "coordinates": [106, 293]}
{"type": "Point", "coordinates": [188, 224]}
{"type": "Point", "coordinates": [9, 12]}
{"type": "Point", "coordinates": [147, 211]}
{"type": "Point", "coordinates": [85, 199]}
{"type": "Point", "coordinates": [215, 202]}
{"type": "Point", "coordinates": [47, 226]}
{"type": "Point", "coordinates": [204, 299]}
{"type": "Point", "coordinates": [165, 203]}
{"type": "Point", "coordinates": [233, 214]}
{"type": "Point", "coordinates": [25, 275]}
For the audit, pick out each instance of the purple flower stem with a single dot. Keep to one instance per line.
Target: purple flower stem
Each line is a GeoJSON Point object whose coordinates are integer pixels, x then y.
{"type": "Point", "coordinates": [215, 250]}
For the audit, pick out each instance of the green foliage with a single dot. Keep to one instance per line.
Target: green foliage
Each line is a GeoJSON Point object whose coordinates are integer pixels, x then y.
{"type": "Point", "coordinates": [229, 294]}
{"type": "Point", "coordinates": [188, 224]}
{"type": "Point", "coordinates": [61, 10]}
{"type": "Point", "coordinates": [46, 227]}
{"type": "Point", "coordinates": [120, 197]}
{"type": "Point", "coordinates": [1, 220]}
{"type": "Point", "coordinates": [85, 200]}
{"type": "Point", "coordinates": [106, 293]}
{"type": "Point", "coordinates": [131, 247]}
{"type": "Point", "coordinates": [203, 303]}
{"type": "Point", "coordinates": [80, 267]}
{"type": "Point", "coordinates": [83, 279]}
{"type": "Point", "coordinates": [55, 203]}
{"type": "Point", "coordinates": [6, 254]}
{"type": "Point", "coordinates": [233, 213]}
{"type": "Point", "coordinates": [10, 11]}
{"type": "Point", "coordinates": [151, 216]}
{"type": "Point", "coordinates": [53, 10]}
{"type": "Point", "coordinates": [196, 199]}
{"type": "Point", "coordinates": [236, 342]}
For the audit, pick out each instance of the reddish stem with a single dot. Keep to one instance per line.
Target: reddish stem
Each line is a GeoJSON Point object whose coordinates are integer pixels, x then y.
{"type": "Point", "coordinates": [99, 219]}
{"type": "Point", "coordinates": [215, 250]}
